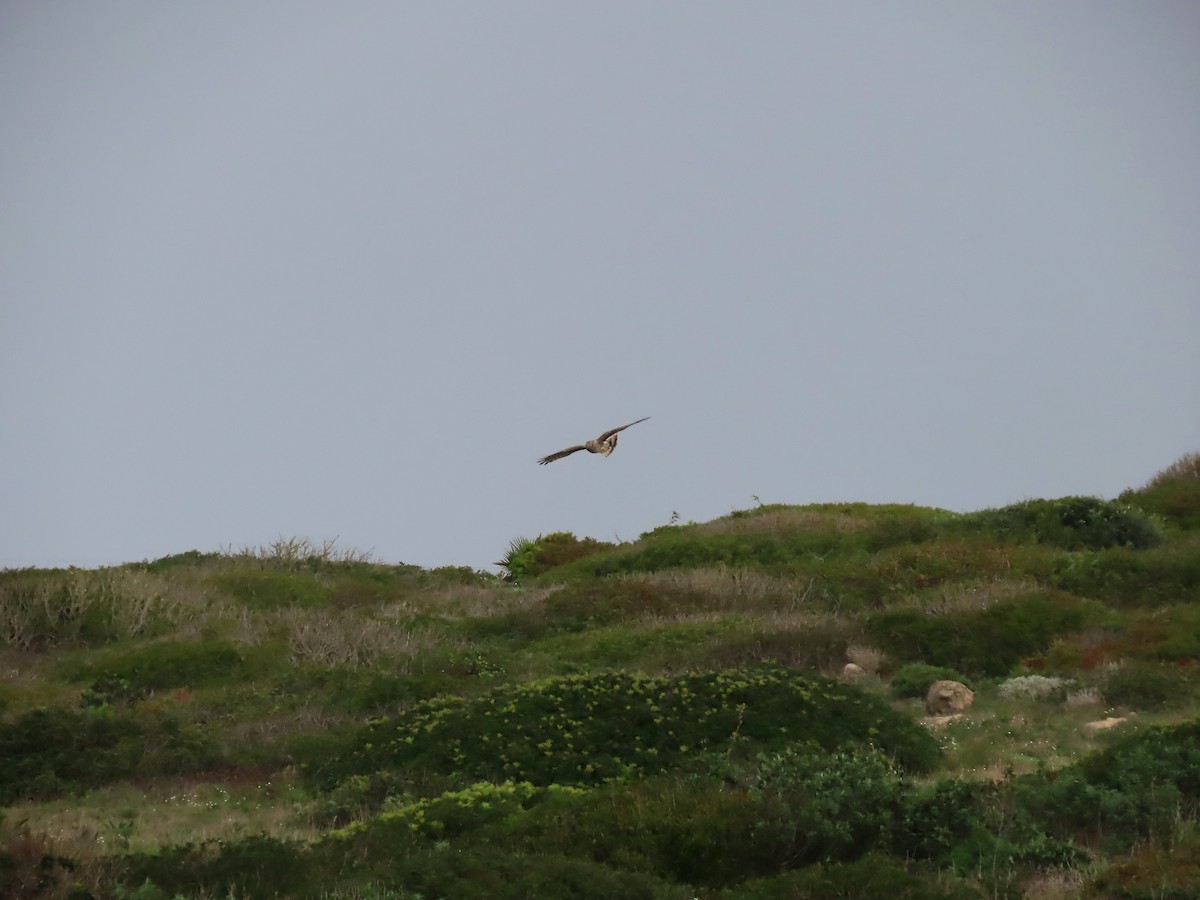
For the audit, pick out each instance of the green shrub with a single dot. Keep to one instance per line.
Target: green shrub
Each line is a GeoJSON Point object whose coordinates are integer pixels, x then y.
{"type": "Point", "coordinates": [258, 866]}
{"type": "Point", "coordinates": [978, 642]}
{"type": "Point", "coordinates": [1072, 523]}
{"type": "Point", "coordinates": [186, 560]}
{"type": "Point", "coordinates": [50, 752]}
{"type": "Point", "coordinates": [164, 664]}
{"type": "Point", "coordinates": [263, 867]}
{"type": "Point", "coordinates": [1141, 685]}
{"type": "Point", "coordinates": [915, 679]}
{"type": "Point", "coordinates": [936, 818]}
{"type": "Point", "coordinates": [368, 690]}
{"type": "Point", "coordinates": [1142, 786]}
{"type": "Point", "coordinates": [825, 806]}
{"type": "Point", "coordinates": [1173, 493]}
{"type": "Point", "coordinates": [589, 729]}
{"type": "Point", "coordinates": [1142, 578]}
{"type": "Point", "coordinates": [696, 831]}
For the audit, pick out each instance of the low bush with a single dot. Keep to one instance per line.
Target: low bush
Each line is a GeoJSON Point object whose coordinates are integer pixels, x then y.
{"type": "Point", "coordinates": [258, 866]}
{"type": "Point", "coordinates": [1133, 578]}
{"type": "Point", "coordinates": [189, 559]}
{"type": "Point", "coordinates": [826, 806]}
{"type": "Point", "coordinates": [1142, 786]}
{"type": "Point", "coordinates": [1072, 523]}
{"type": "Point", "coordinates": [51, 752]}
{"type": "Point", "coordinates": [590, 729]}
{"type": "Point", "coordinates": [978, 642]}
{"type": "Point", "coordinates": [165, 664]}
{"type": "Point", "coordinates": [1143, 685]}
{"type": "Point", "coordinates": [1034, 687]}
{"type": "Point", "coordinates": [1173, 493]}
{"type": "Point", "coordinates": [261, 867]}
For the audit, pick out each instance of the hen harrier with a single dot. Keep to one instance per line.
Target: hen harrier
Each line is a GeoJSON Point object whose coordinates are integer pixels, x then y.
{"type": "Point", "coordinates": [604, 445]}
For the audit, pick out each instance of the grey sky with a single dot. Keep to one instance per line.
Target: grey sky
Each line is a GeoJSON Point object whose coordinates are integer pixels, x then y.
{"type": "Point", "coordinates": [348, 269]}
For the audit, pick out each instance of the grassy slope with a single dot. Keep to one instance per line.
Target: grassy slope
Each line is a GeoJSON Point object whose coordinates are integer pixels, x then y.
{"type": "Point", "coordinates": [641, 720]}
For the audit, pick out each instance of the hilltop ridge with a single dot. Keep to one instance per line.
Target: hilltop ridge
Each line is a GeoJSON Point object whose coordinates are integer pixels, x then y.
{"type": "Point", "coordinates": [666, 717]}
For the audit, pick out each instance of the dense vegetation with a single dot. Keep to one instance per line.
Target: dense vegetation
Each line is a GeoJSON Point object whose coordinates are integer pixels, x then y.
{"type": "Point", "coordinates": [666, 718]}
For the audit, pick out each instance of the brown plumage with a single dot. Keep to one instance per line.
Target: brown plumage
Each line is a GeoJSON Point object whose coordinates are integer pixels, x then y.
{"type": "Point", "coordinates": [604, 445]}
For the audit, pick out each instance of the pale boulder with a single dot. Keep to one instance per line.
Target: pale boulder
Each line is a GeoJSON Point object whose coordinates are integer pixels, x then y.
{"type": "Point", "coordinates": [1105, 724]}
{"type": "Point", "coordinates": [948, 698]}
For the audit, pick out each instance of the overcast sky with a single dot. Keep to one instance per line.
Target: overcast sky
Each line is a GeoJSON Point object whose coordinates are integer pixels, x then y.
{"type": "Point", "coordinates": [317, 269]}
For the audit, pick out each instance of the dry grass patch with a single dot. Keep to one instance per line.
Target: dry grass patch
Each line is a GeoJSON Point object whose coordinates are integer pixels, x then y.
{"type": "Point", "coordinates": [976, 594]}
{"type": "Point", "coordinates": [1056, 884]}
{"type": "Point", "coordinates": [307, 720]}
{"type": "Point", "coordinates": [41, 610]}
{"type": "Point", "coordinates": [130, 818]}
{"type": "Point", "coordinates": [1087, 698]}
{"type": "Point", "coordinates": [347, 639]}
{"type": "Point", "coordinates": [869, 659]}
{"type": "Point", "coordinates": [480, 600]}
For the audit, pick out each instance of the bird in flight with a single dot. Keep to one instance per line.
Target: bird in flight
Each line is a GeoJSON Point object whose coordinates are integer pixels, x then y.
{"type": "Point", "coordinates": [604, 445]}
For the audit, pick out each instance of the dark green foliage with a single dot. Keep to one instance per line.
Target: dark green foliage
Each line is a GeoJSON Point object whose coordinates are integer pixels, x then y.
{"type": "Point", "coordinates": [978, 642]}
{"type": "Point", "coordinates": [1140, 787]}
{"type": "Point", "coordinates": [52, 751]}
{"type": "Point", "coordinates": [1142, 578]}
{"type": "Point", "coordinates": [1173, 493]}
{"type": "Point", "coordinates": [1072, 523]}
{"type": "Point", "coordinates": [869, 878]}
{"type": "Point", "coordinates": [1179, 641]}
{"type": "Point", "coordinates": [937, 818]}
{"type": "Point", "coordinates": [165, 664]}
{"type": "Point", "coordinates": [259, 866]}
{"type": "Point", "coordinates": [1148, 686]}
{"type": "Point", "coordinates": [186, 560]}
{"type": "Point", "coordinates": [263, 589]}
{"type": "Point", "coordinates": [262, 867]}
{"type": "Point", "coordinates": [1168, 755]}
{"type": "Point", "coordinates": [828, 806]}
{"type": "Point", "coordinates": [914, 679]}
{"type": "Point", "coordinates": [110, 690]}
{"type": "Point", "coordinates": [588, 729]}
{"type": "Point", "coordinates": [372, 690]}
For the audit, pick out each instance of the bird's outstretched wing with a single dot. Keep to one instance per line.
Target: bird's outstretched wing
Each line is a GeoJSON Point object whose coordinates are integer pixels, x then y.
{"type": "Point", "coordinates": [611, 432]}
{"type": "Point", "coordinates": [560, 454]}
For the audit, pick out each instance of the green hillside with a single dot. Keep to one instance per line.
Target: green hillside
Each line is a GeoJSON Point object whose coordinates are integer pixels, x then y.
{"type": "Point", "coordinates": [666, 718]}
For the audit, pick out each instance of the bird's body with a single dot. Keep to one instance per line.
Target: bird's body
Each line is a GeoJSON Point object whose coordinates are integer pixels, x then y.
{"type": "Point", "coordinates": [604, 445]}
